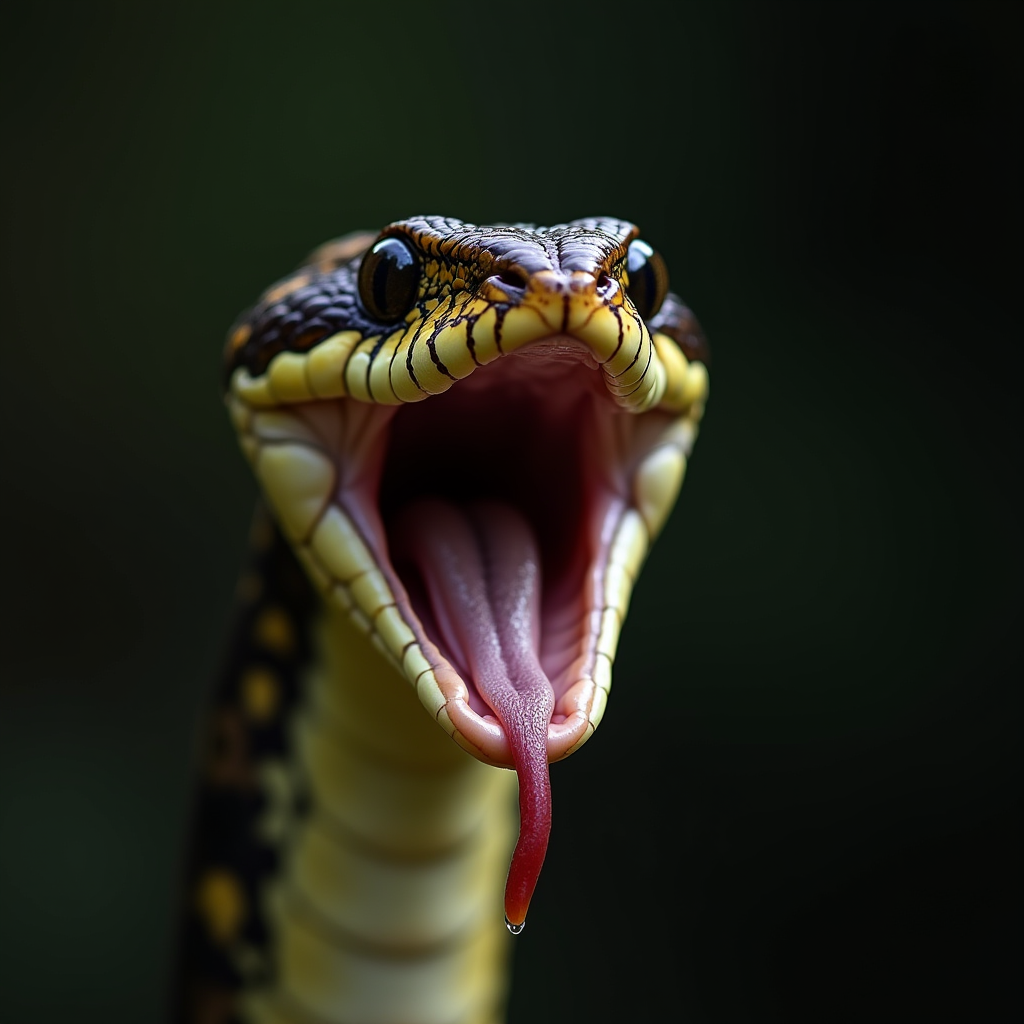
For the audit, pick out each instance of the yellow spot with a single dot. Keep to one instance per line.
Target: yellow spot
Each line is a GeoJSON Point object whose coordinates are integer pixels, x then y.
{"type": "Point", "coordinates": [221, 903]}
{"type": "Point", "coordinates": [274, 631]}
{"type": "Point", "coordinates": [261, 694]}
{"type": "Point", "coordinates": [292, 284]}
{"type": "Point", "coordinates": [239, 337]}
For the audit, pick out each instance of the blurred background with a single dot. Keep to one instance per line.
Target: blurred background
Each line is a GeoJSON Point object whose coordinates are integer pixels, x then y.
{"type": "Point", "coordinates": [804, 803]}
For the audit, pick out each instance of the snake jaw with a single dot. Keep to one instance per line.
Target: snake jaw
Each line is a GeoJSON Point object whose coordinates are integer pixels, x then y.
{"type": "Point", "coordinates": [335, 472]}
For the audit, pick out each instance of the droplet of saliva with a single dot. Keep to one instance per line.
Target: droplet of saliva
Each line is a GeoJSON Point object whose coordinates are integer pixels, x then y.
{"type": "Point", "coordinates": [515, 929]}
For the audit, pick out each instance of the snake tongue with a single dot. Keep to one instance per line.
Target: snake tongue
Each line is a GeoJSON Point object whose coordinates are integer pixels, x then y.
{"type": "Point", "coordinates": [481, 569]}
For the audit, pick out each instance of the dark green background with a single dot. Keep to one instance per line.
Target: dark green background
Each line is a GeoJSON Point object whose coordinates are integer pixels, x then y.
{"type": "Point", "coordinates": [804, 805]}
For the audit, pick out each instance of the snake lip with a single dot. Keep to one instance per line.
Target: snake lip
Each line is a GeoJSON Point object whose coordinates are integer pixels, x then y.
{"type": "Point", "coordinates": [536, 431]}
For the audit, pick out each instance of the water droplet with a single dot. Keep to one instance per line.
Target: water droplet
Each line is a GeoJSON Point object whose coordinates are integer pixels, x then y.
{"type": "Point", "coordinates": [515, 929]}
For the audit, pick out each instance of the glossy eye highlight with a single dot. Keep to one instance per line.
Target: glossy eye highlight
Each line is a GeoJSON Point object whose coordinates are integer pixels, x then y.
{"type": "Point", "coordinates": [388, 279]}
{"type": "Point", "coordinates": [648, 278]}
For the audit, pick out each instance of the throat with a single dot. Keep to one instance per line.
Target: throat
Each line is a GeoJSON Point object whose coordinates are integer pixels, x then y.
{"type": "Point", "coordinates": [391, 885]}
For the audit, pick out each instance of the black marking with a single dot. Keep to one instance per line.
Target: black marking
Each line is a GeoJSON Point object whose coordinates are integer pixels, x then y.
{"type": "Point", "coordinates": [391, 369]}
{"type": "Point", "coordinates": [470, 340]}
{"type": "Point", "coordinates": [408, 365]}
{"type": "Point", "coordinates": [432, 348]}
{"type": "Point", "coordinates": [381, 342]}
{"type": "Point", "coordinates": [230, 802]}
{"type": "Point", "coordinates": [617, 313]}
{"type": "Point", "coordinates": [643, 376]}
{"type": "Point", "coordinates": [442, 320]}
{"type": "Point", "coordinates": [618, 317]}
{"type": "Point", "coordinates": [500, 312]}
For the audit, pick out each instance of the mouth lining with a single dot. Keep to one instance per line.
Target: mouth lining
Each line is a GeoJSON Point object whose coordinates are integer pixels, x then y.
{"type": "Point", "coordinates": [541, 434]}
{"type": "Point", "coordinates": [529, 434]}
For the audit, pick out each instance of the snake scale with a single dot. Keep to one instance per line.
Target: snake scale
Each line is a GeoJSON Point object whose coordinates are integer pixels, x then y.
{"type": "Point", "coordinates": [466, 439]}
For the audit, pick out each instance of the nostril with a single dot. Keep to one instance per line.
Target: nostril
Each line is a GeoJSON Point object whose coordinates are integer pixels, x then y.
{"type": "Point", "coordinates": [605, 284]}
{"type": "Point", "coordinates": [510, 280]}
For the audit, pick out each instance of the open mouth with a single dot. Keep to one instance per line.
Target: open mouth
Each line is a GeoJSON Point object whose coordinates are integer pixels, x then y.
{"type": "Point", "coordinates": [529, 436]}
{"type": "Point", "coordinates": [544, 434]}
{"type": "Point", "coordinates": [500, 522]}
{"type": "Point", "coordinates": [533, 440]}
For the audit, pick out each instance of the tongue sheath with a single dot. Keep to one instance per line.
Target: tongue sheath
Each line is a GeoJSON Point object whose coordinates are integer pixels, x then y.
{"type": "Point", "coordinates": [481, 568]}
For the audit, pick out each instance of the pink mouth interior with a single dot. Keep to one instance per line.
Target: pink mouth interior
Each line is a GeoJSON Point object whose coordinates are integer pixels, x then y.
{"type": "Point", "coordinates": [527, 435]}
{"type": "Point", "coordinates": [493, 512]}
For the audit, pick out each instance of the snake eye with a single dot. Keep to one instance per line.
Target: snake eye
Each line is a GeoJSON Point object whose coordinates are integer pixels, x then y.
{"type": "Point", "coordinates": [648, 278]}
{"type": "Point", "coordinates": [388, 279]}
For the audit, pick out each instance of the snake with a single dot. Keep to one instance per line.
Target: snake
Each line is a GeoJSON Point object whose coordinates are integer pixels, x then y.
{"type": "Point", "coordinates": [466, 439]}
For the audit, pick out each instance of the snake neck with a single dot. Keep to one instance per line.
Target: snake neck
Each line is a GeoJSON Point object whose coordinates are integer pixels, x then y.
{"type": "Point", "coordinates": [347, 859]}
{"type": "Point", "coordinates": [387, 906]}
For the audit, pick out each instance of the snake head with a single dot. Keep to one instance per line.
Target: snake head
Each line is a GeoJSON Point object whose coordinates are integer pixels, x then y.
{"type": "Point", "coordinates": [471, 437]}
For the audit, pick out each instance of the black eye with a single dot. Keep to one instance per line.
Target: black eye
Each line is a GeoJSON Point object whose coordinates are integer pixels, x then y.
{"type": "Point", "coordinates": [388, 279]}
{"type": "Point", "coordinates": [648, 278]}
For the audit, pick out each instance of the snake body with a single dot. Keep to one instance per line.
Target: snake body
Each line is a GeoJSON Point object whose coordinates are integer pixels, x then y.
{"type": "Point", "coordinates": [467, 438]}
